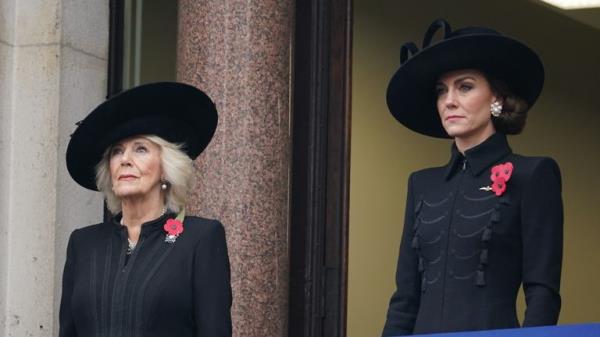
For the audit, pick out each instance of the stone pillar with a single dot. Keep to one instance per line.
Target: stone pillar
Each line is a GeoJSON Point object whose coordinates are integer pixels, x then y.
{"type": "Point", "coordinates": [52, 71]}
{"type": "Point", "coordinates": [239, 53]}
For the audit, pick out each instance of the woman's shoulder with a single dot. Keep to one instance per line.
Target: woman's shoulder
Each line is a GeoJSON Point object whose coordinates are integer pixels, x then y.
{"type": "Point", "coordinates": [200, 227]}
{"type": "Point", "coordinates": [203, 223]}
{"type": "Point", "coordinates": [530, 165]}
{"type": "Point", "coordinates": [90, 230]}
{"type": "Point", "coordinates": [88, 234]}
{"type": "Point", "coordinates": [429, 173]}
{"type": "Point", "coordinates": [534, 172]}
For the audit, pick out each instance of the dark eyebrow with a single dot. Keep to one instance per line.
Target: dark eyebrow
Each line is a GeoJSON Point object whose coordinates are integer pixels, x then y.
{"type": "Point", "coordinates": [460, 79]}
{"type": "Point", "coordinates": [466, 77]}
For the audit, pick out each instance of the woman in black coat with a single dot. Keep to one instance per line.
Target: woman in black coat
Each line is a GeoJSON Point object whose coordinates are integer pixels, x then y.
{"type": "Point", "coordinates": [490, 220]}
{"type": "Point", "coordinates": [148, 271]}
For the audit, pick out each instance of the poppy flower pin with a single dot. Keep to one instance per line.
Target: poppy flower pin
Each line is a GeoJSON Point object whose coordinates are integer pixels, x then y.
{"type": "Point", "coordinates": [500, 175]}
{"type": "Point", "coordinates": [174, 227]}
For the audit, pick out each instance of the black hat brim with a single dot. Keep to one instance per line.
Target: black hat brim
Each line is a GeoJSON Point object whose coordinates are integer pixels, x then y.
{"type": "Point", "coordinates": [176, 112]}
{"type": "Point", "coordinates": [411, 95]}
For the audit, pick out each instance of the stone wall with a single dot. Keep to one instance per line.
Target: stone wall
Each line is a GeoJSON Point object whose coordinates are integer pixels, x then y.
{"type": "Point", "coordinates": [53, 68]}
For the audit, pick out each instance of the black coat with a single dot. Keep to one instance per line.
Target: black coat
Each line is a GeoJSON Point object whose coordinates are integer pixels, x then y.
{"type": "Point", "coordinates": [161, 290]}
{"type": "Point", "coordinates": [465, 251]}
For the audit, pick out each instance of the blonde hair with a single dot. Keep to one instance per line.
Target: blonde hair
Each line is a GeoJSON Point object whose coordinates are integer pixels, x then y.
{"type": "Point", "coordinates": [177, 170]}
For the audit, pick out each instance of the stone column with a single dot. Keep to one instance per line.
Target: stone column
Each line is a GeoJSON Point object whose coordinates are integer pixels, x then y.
{"type": "Point", "coordinates": [52, 71]}
{"type": "Point", "coordinates": [239, 53]}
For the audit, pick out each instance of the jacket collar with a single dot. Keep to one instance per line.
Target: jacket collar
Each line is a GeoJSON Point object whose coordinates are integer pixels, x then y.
{"type": "Point", "coordinates": [147, 227]}
{"type": "Point", "coordinates": [479, 157]}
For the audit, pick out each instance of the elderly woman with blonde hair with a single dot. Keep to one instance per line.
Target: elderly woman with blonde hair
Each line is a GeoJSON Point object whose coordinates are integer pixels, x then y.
{"type": "Point", "coordinates": [149, 270]}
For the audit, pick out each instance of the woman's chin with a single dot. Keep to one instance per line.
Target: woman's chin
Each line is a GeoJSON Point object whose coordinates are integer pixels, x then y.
{"type": "Point", "coordinates": [128, 193]}
{"type": "Point", "coordinates": [454, 131]}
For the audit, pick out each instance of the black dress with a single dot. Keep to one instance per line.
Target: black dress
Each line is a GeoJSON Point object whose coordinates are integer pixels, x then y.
{"type": "Point", "coordinates": [161, 289]}
{"type": "Point", "coordinates": [465, 251]}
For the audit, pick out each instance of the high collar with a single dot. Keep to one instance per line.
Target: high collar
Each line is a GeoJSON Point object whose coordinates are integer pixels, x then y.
{"type": "Point", "coordinates": [480, 157]}
{"type": "Point", "coordinates": [147, 227]}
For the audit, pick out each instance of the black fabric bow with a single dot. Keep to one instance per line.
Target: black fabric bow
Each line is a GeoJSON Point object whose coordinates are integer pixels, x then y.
{"type": "Point", "coordinates": [409, 49]}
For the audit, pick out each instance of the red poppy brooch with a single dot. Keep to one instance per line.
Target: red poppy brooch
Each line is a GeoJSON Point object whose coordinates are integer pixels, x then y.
{"type": "Point", "coordinates": [500, 175]}
{"type": "Point", "coordinates": [174, 227]}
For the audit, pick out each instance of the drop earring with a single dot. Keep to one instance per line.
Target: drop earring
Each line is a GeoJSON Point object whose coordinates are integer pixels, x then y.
{"type": "Point", "coordinates": [496, 109]}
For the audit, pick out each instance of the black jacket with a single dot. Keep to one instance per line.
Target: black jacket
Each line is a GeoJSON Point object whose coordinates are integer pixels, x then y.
{"type": "Point", "coordinates": [161, 290]}
{"type": "Point", "coordinates": [465, 251]}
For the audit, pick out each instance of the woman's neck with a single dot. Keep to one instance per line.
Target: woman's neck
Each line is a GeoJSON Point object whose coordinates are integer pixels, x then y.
{"type": "Point", "coordinates": [137, 211]}
{"type": "Point", "coordinates": [465, 143]}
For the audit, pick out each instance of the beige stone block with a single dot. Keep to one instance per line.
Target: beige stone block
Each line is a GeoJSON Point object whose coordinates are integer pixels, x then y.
{"type": "Point", "coordinates": [85, 26]}
{"type": "Point", "coordinates": [7, 21]}
{"type": "Point", "coordinates": [37, 22]}
{"type": "Point", "coordinates": [82, 87]}
{"type": "Point", "coordinates": [32, 190]}
{"type": "Point", "coordinates": [52, 72]}
{"type": "Point", "coordinates": [5, 104]}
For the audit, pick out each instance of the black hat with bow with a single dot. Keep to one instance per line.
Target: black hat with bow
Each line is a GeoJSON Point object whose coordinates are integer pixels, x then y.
{"type": "Point", "coordinates": [411, 95]}
{"type": "Point", "coordinates": [177, 112]}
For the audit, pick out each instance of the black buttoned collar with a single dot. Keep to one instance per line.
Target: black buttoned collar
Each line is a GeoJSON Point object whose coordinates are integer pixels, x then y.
{"type": "Point", "coordinates": [147, 227]}
{"type": "Point", "coordinates": [480, 157]}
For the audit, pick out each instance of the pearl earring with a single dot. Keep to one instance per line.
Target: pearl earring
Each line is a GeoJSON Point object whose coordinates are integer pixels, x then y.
{"type": "Point", "coordinates": [496, 109]}
{"type": "Point", "coordinates": [164, 186]}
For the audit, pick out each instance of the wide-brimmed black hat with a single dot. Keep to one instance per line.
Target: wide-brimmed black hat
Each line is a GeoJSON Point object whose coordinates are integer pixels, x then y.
{"type": "Point", "coordinates": [176, 112]}
{"type": "Point", "coordinates": [411, 95]}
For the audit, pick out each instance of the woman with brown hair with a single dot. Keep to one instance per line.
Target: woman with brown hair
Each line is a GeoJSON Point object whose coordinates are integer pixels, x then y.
{"type": "Point", "coordinates": [490, 220]}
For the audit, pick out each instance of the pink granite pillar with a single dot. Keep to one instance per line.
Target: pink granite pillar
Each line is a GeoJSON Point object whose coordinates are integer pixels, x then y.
{"type": "Point", "coordinates": [238, 51]}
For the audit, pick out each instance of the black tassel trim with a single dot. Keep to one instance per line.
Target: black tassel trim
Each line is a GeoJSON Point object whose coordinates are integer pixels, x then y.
{"type": "Point", "coordinates": [487, 234]}
{"type": "Point", "coordinates": [418, 206]}
{"type": "Point", "coordinates": [480, 278]}
{"type": "Point", "coordinates": [495, 216]}
{"type": "Point", "coordinates": [483, 258]}
{"type": "Point", "coordinates": [421, 265]}
{"type": "Point", "coordinates": [485, 239]}
{"type": "Point", "coordinates": [423, 284]}
{"type": "Point", "coordinates": [415, 242]}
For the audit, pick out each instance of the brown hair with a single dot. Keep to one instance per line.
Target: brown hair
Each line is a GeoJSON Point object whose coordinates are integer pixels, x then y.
{"type": "Point", "coordinates": [514, 109]}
